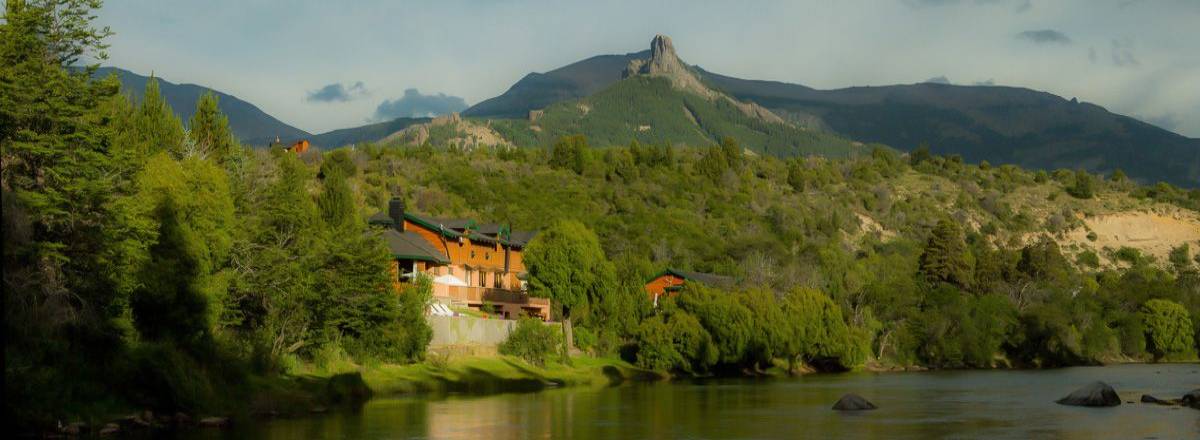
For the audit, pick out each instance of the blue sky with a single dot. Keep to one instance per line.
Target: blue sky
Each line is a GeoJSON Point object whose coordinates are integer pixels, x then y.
{"type": "Point", "coordinates": [1140, 58]}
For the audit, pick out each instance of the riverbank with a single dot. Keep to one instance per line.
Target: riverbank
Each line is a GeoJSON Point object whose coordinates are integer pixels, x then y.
{"type": "Point", "coordinates": [311, 389]}
{"type": "Point", "coordinates": [347, 382]}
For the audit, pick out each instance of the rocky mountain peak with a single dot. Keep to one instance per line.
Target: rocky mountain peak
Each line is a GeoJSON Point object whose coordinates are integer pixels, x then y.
{"type": "Point", "coordinates": [663, 62]}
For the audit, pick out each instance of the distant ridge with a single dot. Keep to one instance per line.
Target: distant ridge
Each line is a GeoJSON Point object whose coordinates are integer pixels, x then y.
{"type": "Point", "coordinates": [999, 124]}
{"type": "Point", "coordinates": [250, 124]}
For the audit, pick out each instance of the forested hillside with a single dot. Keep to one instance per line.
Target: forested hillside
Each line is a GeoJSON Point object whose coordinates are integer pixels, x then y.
{"type": "Point", "coordinates": [929, 260]}
{"type": "Point", "coordinates": [650, 110]}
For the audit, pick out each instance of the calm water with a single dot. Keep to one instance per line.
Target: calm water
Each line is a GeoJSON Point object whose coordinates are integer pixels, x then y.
{"type": "Point", "coordinates": [936, 405]}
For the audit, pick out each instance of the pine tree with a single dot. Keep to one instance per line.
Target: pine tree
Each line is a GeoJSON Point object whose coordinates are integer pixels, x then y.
{"type": "Point", "coordinates": [336, 202]}
{"type": "Point", "coordinates": [156, 124]}
{"type": "Point", "coordinates": [946, 258]}
{"type": "Point", "coordinates": [209, 132]}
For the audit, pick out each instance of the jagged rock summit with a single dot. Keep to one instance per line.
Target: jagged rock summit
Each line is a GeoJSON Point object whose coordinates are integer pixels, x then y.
{"type": "Point", "coordinates": [665, 63]}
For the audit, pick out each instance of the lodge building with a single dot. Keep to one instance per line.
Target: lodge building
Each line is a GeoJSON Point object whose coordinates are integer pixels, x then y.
{"type": "Point", "coordinates": [670, 281]}
{"type": "Point", "coordinates": [471, 265]}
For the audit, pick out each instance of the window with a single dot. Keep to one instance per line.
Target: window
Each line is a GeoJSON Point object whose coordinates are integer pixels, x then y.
{"type": "Point", "coordinates": [496, 278]}
{"type": "Point", "coordinates": [482, 279]}
{"type": "Point", "coordinates": [468, 277]}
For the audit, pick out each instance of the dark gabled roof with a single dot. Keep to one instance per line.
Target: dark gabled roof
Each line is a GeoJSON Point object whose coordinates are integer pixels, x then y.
{"type": "Point", "coordinates": [409, 245]}
{"type": "Point", "coordinates": [521, 238]}
{"type": "Point", "coordinates": [455, 228]}
{"type": "Point", "coordinates": [700, 277]}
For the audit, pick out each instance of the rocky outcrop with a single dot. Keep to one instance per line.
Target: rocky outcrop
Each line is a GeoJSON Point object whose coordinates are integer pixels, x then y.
{"type": "Point", "coordinates": [665, 63]}
{"type": "Point", "coordinates": [853, 402]}
{"type": "Point", "coordinates": [1191, 399]}
{"type": "Point", "coordinates": [1146, 398]}
{"type": "Point", "coordinates": [1094, 394]}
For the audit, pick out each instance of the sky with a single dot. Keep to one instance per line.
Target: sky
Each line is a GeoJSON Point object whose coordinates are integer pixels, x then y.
{"type": "Point", "coordinates": [321, 65]}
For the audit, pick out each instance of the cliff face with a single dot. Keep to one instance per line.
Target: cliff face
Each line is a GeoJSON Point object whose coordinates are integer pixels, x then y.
{"type": "Point", "coordinates": [665, 63]}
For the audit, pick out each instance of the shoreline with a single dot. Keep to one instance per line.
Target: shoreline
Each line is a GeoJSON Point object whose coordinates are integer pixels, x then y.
{"type": "Point", "coordinates": [315, 392]}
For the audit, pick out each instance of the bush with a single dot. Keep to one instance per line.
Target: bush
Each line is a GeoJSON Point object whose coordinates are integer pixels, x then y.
{"type": "Point", "coordinates": [584, 339]}
{"type": "Point", "coordinates": [675, 340]}
{"type": "Point", "coordinates": [1168, 330]}
{"type": "Point", "coordinates": [533, 341]}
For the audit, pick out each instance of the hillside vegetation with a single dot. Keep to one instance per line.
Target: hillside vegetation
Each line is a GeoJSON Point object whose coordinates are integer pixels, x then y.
{"type": "Point", "coordinates": [908, 249]}
{"type": "Point", "coordinates": [650, 110]}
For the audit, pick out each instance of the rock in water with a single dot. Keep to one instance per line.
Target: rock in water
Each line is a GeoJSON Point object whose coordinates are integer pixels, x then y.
{"type": "Point", "coordinates": [1192, 399]}
{"type": "Point", "coordinates": [1094, 394]}
{"type": "Point", "coordinates": [1146, 398]}
{"type": "Point", "coordinates": [853, 402]}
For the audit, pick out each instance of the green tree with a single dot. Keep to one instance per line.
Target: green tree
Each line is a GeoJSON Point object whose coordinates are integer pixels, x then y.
{"type": "Point", "coordinates": [919, 155]}
{"type": "Point", "coordinates": [946, 258]}
{"type": "Point", "coordinates": [1169, 330]}
{"type": "Point", "coordinates": [1084, 185]}
{"type": "Point", "coordinates": [180, 292]}
{"type": "Point", "coordinates": [273, 293]}
{"type": "Point", "coordinates": [567, 265]}
{"type": "Point", "coordinates": [209, 133]}
{"type": "Point", "coordinates": [569, 152]}
{"type": "Point", "coordinates": [336, 202]}
{"type": "Point", "coordinates": [816, 332]}
{"type": "Point", "coordinates": [155, 123]}
{"type": "Point", "coordinates": [675, 340]}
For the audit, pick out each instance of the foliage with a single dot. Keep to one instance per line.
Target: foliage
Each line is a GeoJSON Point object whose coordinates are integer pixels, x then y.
{"type": "Point", "coordinates": [1169, 330]}
{"type": "Point", "coordinates": [533, 341]}
{"type": "Point", "coordinates": [946, 259]}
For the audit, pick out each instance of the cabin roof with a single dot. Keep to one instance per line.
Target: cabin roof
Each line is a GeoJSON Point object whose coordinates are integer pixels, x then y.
{"type": "Point", "coordinates": [709, 279]}
{"type": "Point", "coordinates": [409, 245]}
{"type": "Point", "coordinates": [455, 228]}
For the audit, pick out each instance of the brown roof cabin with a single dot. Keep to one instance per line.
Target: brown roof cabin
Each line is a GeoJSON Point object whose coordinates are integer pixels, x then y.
{"type": "Point", "coordinates": [471, 265]}
{"type": "Point", "coordinates": [299, 147]}
{"type": "Point", "coordinates": [670, 281]}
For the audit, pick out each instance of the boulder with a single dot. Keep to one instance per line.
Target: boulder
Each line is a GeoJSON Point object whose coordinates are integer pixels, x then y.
{"type": "Point", "coordinates": [1094, 394]}
{"type": "Point", "coordinates": [853, 402]}
{"type": "Point", "coordinates": [1146, 398]}
{"type": "Point", "coordinates": [1191, 399]}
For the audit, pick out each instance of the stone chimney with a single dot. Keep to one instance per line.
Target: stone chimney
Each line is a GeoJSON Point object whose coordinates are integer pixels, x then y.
{"type": "Point", "coordinates": [396, 212]}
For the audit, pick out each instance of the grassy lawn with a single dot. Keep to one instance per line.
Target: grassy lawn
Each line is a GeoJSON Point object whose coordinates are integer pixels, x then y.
{"type": "Point", "coordinates": [483, 375]}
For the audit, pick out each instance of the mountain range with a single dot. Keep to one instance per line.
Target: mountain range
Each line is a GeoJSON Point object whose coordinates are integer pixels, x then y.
{"type": "Point", "coordinates": [249, 123]}
{"type": "Point", "coordinates": [653, 96]}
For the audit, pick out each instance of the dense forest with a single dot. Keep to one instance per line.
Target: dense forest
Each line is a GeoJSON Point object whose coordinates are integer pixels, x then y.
{"type": "Point", "coordinates": [149, 263]}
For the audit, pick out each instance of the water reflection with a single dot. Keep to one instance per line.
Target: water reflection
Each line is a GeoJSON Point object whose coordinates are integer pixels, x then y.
{"type": "Point", "coordinates": [943, 405]}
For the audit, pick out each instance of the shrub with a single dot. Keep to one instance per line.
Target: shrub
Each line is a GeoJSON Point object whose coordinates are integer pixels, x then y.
{"type": "Point", "coordinates": [584, 339]}
{"type": "Point", "coordinates": [532, 341]}
{"type": "Point", "coordinates": [1168, 329]}
{"type": "Point", "coordinates": [1088, 259]}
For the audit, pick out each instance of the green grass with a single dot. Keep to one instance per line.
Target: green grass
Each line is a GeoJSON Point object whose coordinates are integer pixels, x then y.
{"type": "Point", "coordinates": [485, 375]}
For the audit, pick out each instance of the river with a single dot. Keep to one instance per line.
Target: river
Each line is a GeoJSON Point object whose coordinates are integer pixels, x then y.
{"type": "Point", "coordinates": [926, 405]}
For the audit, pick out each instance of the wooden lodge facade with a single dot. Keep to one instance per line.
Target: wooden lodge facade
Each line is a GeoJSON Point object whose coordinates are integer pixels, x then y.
{"type": "Point", "coordinates": [471, 265]}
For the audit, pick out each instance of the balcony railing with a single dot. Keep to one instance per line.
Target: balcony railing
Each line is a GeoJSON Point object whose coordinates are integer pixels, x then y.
{"type": "Point", "coordinates": [472, 294]}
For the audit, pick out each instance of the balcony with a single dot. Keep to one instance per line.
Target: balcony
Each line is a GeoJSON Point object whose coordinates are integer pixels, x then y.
{"type": "Point", "coordinates": [480, 295]}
